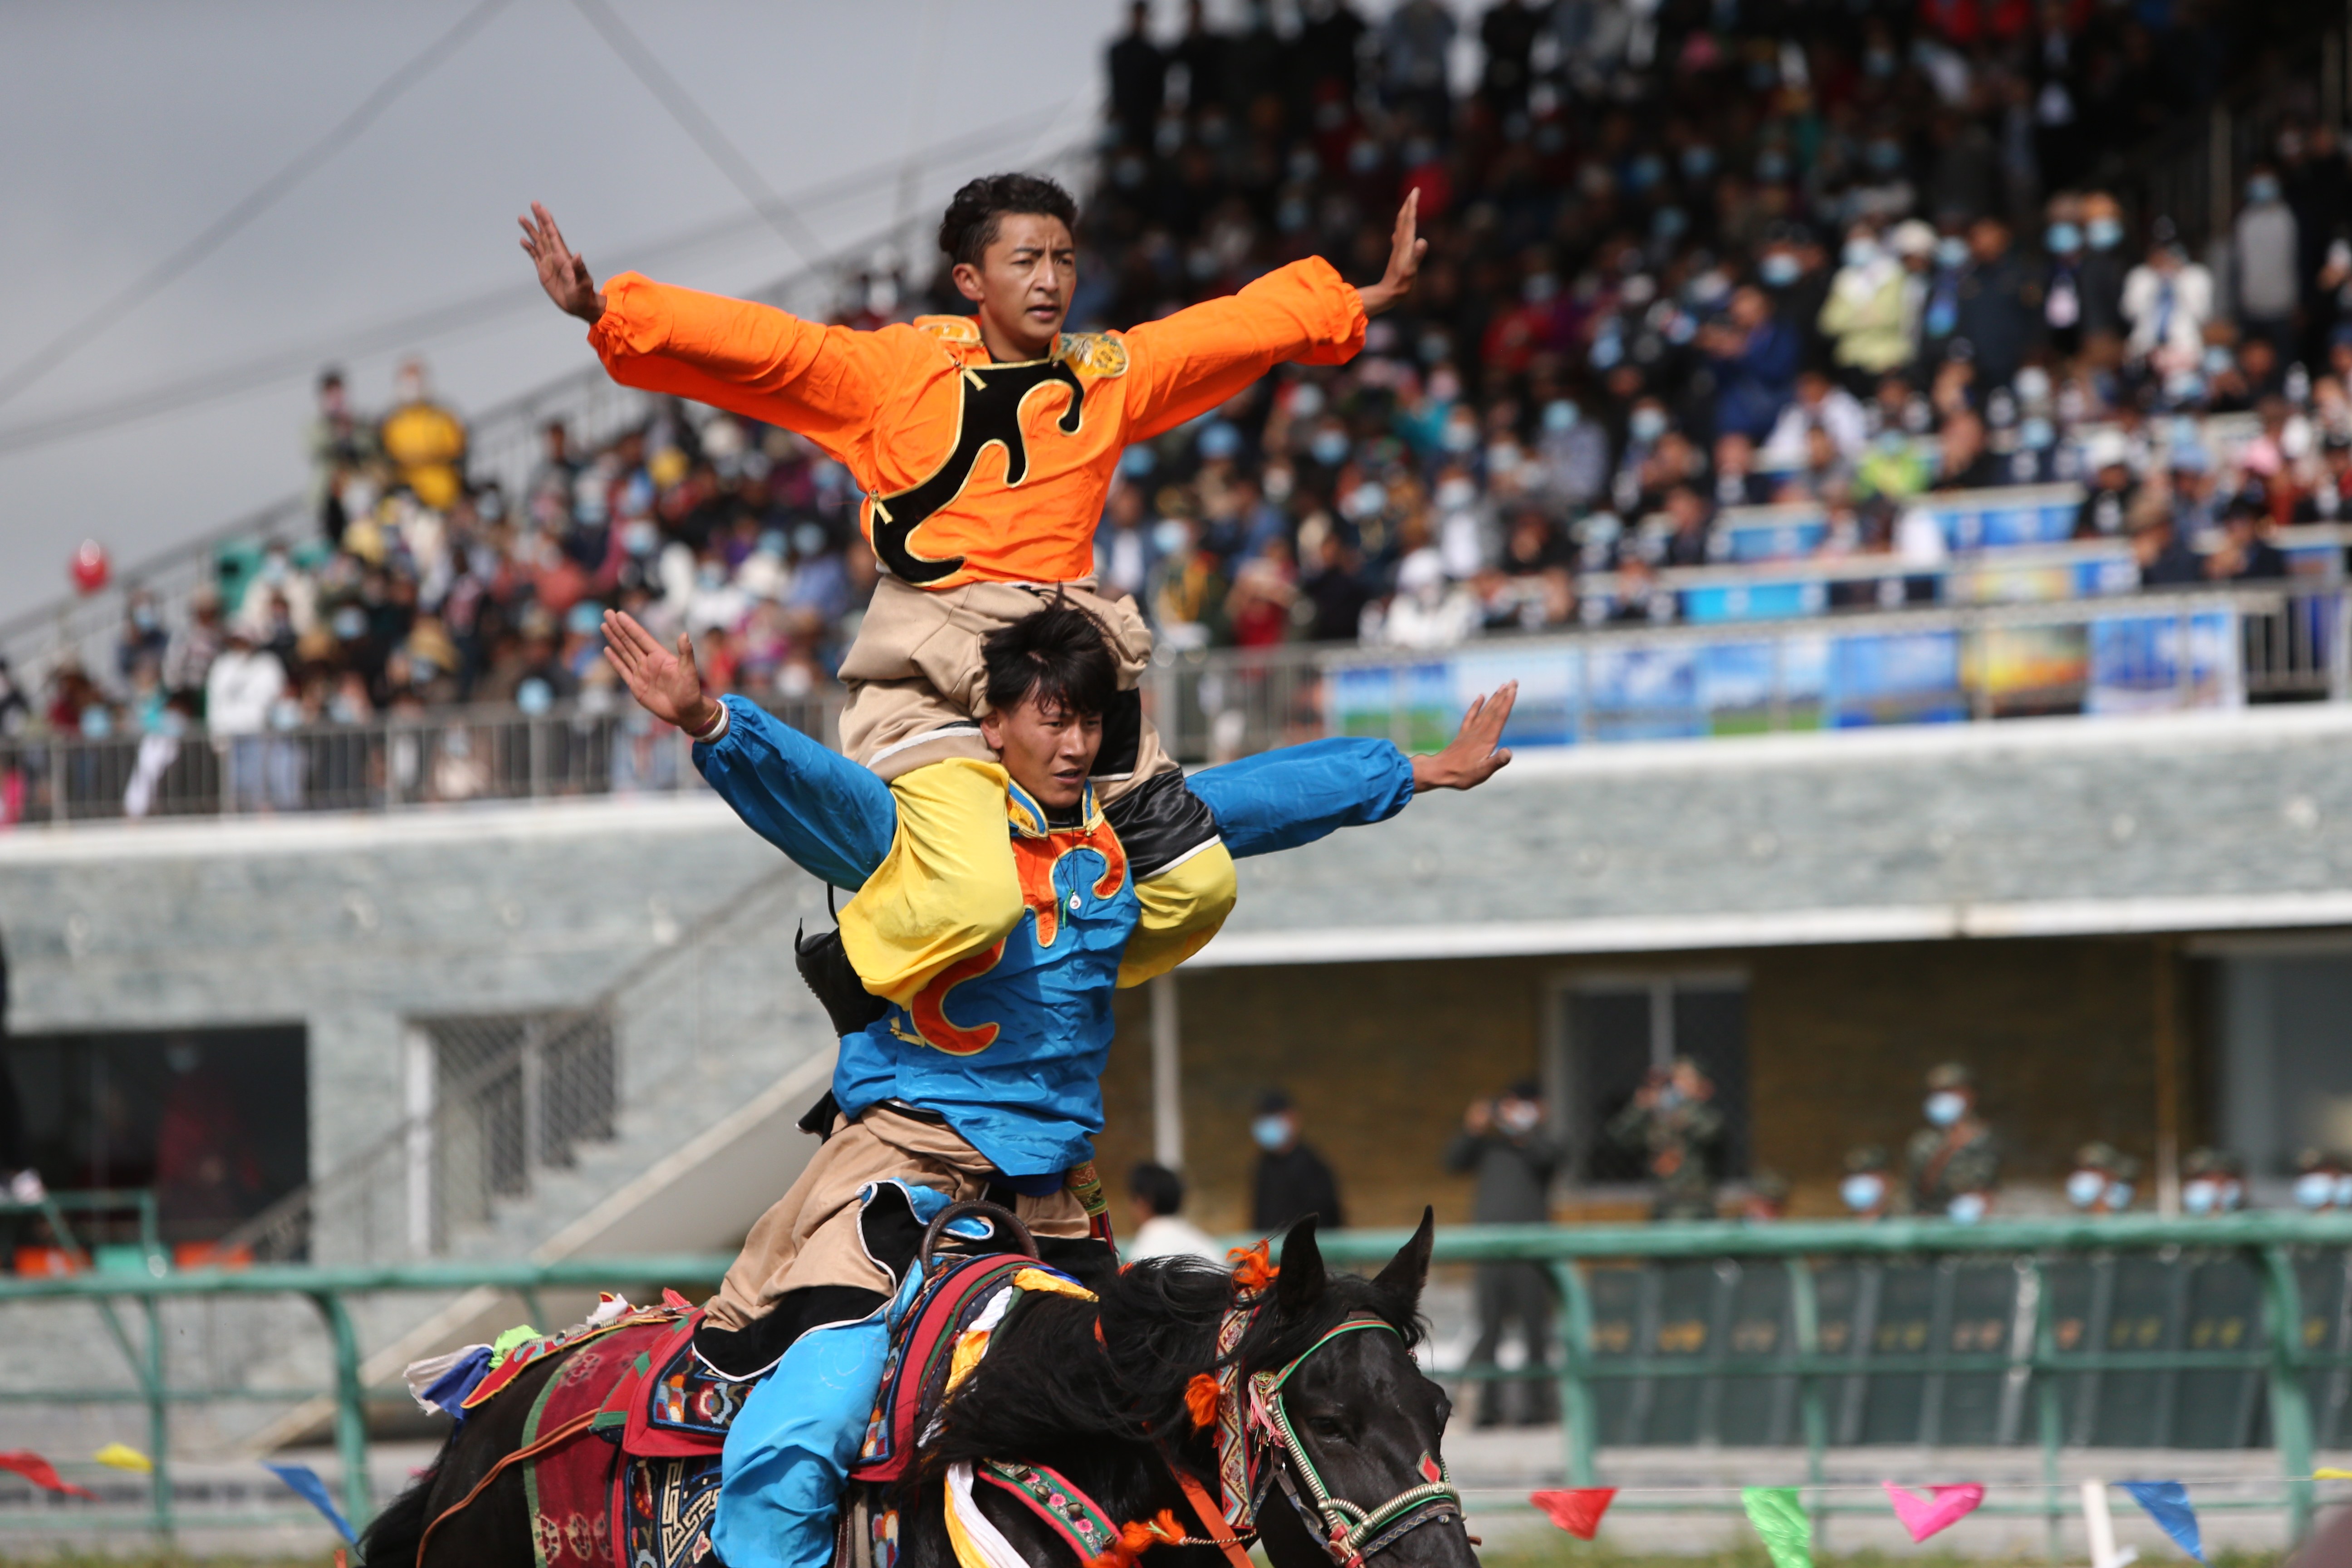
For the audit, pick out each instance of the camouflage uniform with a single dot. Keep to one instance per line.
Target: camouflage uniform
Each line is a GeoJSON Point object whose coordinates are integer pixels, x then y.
{"type": "Point", "coordinates": [1945, 1162]}
{"type": "Point", "coordinates": [1681, 1143]}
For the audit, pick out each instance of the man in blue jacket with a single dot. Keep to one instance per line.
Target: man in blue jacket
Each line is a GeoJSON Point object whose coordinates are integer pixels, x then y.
{"type": "Point", "coordinates": [986, 1083]}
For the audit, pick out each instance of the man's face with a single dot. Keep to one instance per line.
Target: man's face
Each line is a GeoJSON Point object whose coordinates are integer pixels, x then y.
{"type": "Point", "coordinates": [1049, 750]}
{"type": "Point", "coordinates": [1023, 280]}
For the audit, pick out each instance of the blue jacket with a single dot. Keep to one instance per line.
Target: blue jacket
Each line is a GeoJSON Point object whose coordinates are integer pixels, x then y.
{"type": "Point", "coordinates": [1010, 1045]}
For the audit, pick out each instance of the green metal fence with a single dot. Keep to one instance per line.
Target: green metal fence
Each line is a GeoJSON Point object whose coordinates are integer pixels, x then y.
{"type": "Point", "coordinates": [1815, 1355]}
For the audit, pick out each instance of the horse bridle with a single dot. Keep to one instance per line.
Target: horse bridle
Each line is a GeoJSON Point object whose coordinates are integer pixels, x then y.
{"type": "Point", "coordinates": [1253, 1424]}
{"type": "Point", "coordinates": [1349, 1533]}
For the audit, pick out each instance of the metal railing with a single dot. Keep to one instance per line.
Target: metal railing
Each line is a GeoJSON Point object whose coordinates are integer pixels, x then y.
{"type": "Point", "coordinates": [450, 757]}
{"type": "Point", "coordinates": [2033, 1359]}
{"type": "Point", "coordinates": [2206, 648]}
{"type": "Point", "coordinates": [2201, 648]}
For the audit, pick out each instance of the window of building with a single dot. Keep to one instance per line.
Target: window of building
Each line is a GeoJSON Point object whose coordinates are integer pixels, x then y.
{"type": "Point", "coordinates": [215, 1122]}
{"type": "Point", "coordinates": [1613, 1032]}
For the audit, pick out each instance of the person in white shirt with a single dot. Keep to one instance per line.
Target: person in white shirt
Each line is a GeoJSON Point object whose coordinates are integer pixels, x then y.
{"type": "Point", "coordinates": [241, 686]}
{"type": "Point", "coordinates": [1159, 1231]}
{"type": "Point", "coordinates": [2167, 300]}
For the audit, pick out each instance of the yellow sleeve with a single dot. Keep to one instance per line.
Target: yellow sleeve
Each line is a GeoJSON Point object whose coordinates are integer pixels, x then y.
{"type": "Point", "coordinates": [947, 889]}
{"type": "Point", "coordinates": [1184, 907]}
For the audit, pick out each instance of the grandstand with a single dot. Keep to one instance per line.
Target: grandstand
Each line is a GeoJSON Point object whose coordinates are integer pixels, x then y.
{"type": "Point", "coordinates": [1985, 697]}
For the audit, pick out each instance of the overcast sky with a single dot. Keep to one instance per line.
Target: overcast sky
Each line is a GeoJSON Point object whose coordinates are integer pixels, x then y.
{"type": "Point", "coordinates": [131, 129]}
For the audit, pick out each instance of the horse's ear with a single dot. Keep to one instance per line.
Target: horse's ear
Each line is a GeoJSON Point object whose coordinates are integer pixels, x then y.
{"type": "Point", "coordinates": [1296, 1288]}
{"type": "Point", "coordinates": [1408, 1271]}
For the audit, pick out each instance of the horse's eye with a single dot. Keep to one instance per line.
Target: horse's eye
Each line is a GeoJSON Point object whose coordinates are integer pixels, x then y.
{"type": "Point", "coordinates": [1326, 1427]}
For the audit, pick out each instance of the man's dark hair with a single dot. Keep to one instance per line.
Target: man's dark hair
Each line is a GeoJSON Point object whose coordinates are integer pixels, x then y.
{"type": "Point", "coordinates": [978, 211]}
{"type": "Point", "coordinates": [1160, 1189]}
{"type": "Point", "coordinates": [1059, 655]}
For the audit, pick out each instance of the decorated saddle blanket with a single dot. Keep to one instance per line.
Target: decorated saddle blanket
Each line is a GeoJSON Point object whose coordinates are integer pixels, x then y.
{"type": "Point", "coordinates": [635, 1481]}
{"type": "Point", "coordinates": [942, 1339]}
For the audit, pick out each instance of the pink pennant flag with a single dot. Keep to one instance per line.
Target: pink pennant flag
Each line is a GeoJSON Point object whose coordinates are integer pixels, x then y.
{"type": "Point", "coordinates": [1577, 1509]}
{"type": "Point", "coordinates": [1923, 1517]}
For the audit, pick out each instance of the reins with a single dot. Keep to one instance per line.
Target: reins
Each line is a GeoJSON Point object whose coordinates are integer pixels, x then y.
{"type": "Point", "coordinates": [1349, 1533]}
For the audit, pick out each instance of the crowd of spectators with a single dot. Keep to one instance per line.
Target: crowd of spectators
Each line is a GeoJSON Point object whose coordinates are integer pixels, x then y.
{"type": "Point", "coordinates": [1683, 257]}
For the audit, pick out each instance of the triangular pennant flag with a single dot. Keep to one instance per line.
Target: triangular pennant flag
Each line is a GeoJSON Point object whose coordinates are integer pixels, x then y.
{"type": "Point", "coordinates": [41, 1473]}
{"type": "Point", "coordinates": [1575, 1510]}
{"type": "Point", "coordinates": [123, 1457]}
{"type": "Point", "coordinates": [2100, 1525]}
{"type": "Point", "coordinates": [2326, 1473]}
{"type": "Point", "coordinates": [312, 1490]}
{"type": "Point", "coordinates": [2168, 1504]}
{"type": "Point", "coordinates": [1944, 1506]}
{"type": "Point", "coordinates": [1779, 1516]}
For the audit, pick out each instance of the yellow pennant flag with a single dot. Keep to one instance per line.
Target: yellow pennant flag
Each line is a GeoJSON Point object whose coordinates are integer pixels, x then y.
{"type": "Point", "coordinates": [2325, 1473]}
{"type": "Point", "coordinates": [123, 1457]}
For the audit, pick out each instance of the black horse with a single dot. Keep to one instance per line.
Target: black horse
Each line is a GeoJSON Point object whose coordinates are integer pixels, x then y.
{"type": "Point", "coordinates": [1098, 1391]}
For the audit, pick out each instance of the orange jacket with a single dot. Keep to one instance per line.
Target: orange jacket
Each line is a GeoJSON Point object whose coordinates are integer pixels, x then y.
{"type": "Point", "coordinates": [974, 472]}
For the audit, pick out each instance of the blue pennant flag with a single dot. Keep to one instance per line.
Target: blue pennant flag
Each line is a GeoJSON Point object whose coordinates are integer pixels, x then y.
{"type": "Point", "coordinates": [312, 1490]}
{"type": "Point", "coordinates": [2167, 1502]}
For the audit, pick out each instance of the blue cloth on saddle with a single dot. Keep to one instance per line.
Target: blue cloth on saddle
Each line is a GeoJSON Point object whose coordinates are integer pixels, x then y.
{"type": "Point", "coordinates": [449, 1390]}
{"type": "Point", "coordinates": [789, 1450]}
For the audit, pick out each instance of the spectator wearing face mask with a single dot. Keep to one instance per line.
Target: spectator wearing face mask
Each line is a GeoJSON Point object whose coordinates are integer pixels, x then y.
{"type": "Point", "coordinates": [2212, 1182]}
{"type": "Point", "coordinates": [2099, 277]}
{"type": "Point", "coordinates": [1954, 1162]}
{"type": "Point", "coordinates": [1674, 1124]}
{"type": "Point", "coordinates": [1292, 1180]}
{"type": "Point", "coordinates": [2263, 251]}
{"type": "Point", "coordinates": [1503, 1144]}
{"type": "Point", "coordinates": [1865, 1189]}
{"type": "Point", "coordinates": [1865, 316]}
{"type": "Point", "coordinates": [2167, 300]}
{"type": "Point", "coordinates": [2101, 1181]}
{"type": "Point", "coordinates": [424, 442]}
{"type": "Point", "coordinates": [1756, 360]}
{"type": "Point", "coordinates": [2321, 1181]}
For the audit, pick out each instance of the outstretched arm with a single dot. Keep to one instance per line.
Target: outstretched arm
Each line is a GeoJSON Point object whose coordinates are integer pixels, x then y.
{"type": "Point", "coordinates": [1296, 794]}
{"type": "Point", "coordinates": [754, 359]}
{"type": "Point", "coordinates": [834, 818]}
{"type": "Point", "coordinates": [1184, 364]}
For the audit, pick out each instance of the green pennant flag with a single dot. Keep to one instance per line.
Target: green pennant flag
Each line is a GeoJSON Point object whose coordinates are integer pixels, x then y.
{"type": "Point", "coordinates": [1780, 1517]}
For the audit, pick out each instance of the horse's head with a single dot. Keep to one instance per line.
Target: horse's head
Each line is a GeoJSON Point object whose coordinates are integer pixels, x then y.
{"type": "Point", "coordinates": [1363, 1425]}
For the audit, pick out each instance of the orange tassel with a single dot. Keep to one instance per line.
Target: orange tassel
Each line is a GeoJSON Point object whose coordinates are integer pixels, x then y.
{"type": "Point", "coordinates": [1135, 1539]}
{"type": "Point", "coordinates": [1200, 1399]}
{"type": "Point", "coordinates": [1253, 1269]}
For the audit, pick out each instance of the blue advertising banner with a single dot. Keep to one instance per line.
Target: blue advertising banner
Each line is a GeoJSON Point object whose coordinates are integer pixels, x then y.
{"type": "Point", "coordinates": [2152, 664]}
{"type": "Point", "coordinates": [1894, 678]}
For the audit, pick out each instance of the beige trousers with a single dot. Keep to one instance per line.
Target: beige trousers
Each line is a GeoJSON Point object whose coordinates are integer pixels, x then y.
{"type": "Point", "coordinates": [810, 1236]}
{"type": "Point", "coordinates": [917, 684]}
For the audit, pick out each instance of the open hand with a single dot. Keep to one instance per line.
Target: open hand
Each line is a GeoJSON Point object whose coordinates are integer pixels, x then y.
{"type": "Point", "coordinates": [1406, 248]}
{"type": "Point", "coordinates": [563, 275]}
{"type": "Point", "coordinates": [1475, 754]}
{"type": "Point", "coordinates": [666, 684]}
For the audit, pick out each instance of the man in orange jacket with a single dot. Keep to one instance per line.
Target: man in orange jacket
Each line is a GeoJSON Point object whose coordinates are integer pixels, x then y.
{"type": "Point", "coordinates": [985, 446]}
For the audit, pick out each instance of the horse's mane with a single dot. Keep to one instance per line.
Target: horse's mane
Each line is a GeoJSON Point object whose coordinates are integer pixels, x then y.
{"type": "Point", "coordinates": [1064, 1374]}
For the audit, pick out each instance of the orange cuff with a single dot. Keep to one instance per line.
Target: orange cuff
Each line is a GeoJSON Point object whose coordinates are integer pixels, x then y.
{"type": "Point", "coordinates": [634, 323]}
